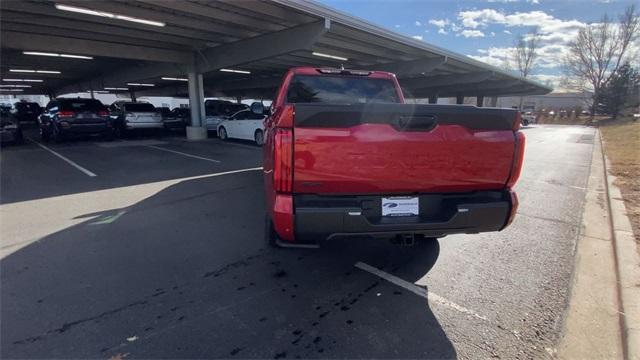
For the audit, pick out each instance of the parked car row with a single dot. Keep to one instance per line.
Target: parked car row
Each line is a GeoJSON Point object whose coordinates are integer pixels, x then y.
{"type": "Point", "coordinates": [64, 118]}
{"type": "Point", "coordinates": [68, 117]}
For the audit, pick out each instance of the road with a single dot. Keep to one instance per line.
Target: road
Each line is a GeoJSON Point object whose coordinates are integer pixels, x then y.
{"type": "Point", "coordinates": [161, 255]}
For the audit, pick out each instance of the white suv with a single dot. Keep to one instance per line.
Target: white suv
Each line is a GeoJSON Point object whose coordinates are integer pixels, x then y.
{"type": "Point", "coordinates": [127, 115]}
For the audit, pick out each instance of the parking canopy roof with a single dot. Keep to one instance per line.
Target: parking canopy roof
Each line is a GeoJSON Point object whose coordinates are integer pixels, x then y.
{"type": "Point", "coordinates": [240, 47]}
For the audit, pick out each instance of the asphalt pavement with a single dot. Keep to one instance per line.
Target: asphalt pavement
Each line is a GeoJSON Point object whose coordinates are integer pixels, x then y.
{"type": "Point", "coordinates": [153, 248]}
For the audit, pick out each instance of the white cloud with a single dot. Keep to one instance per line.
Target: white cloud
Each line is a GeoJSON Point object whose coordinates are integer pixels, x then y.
{"type": "Point", "coordinates": [502, 1]}
{"type": "Point", "coordinates": [442, 31]}
{"type": "Point", "coordinates": [439, 22]}
{"type": "Point", "coordinates": [533, 1]}
{"type": "Point", "coordinates": [417, 37]}
{"type": "Point", "coordinates": [475, 18]}
{"type": "Point", "coordinates": [557, 82]}
{"type": "Point", "coordinates": [547, 23]}
{"type": "Point", "coordinates": [418, 23]}
{"type": "Point", "coordinates": [493, 34]}
{"type": "Point", "coordinates": [555, 34]}
{"type": "Point", "coordinates": [472, 33]}
{"type": "Point", "coordinates": [496, 56]}
{"type": "Point", "coordinates": [396, 26]}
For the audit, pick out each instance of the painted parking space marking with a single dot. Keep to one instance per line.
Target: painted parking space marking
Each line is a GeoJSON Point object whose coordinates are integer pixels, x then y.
{"type": "Point", "coordinates": [68, 161]}
{"type": "Point", "coordinates": [125, 143]}
{"type": "Point", "coordinates": [183, 154]}
{"type": "Point", "coordinates": [418, 290]}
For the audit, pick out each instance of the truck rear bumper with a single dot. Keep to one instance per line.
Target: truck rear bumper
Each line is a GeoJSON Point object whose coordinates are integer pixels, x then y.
{"type": "Point", "coordinates": [318, 218]}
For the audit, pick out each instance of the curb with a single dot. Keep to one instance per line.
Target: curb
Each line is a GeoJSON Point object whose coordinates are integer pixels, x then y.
{"type": "Point", "coordinates": [627, 264]}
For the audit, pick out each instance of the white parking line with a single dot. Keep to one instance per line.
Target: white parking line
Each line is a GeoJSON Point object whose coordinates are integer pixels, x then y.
{"type": "Point", "coordinates": [184, 154]}
{"type": "Point", "coordinates": [87, 172]}
{"type": "Point", "coordinates": [420, 291]}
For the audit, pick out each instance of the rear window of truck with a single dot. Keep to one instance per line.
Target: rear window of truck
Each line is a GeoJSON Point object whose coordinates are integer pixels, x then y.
{"type": "Point", "coordinates": [341, 90]}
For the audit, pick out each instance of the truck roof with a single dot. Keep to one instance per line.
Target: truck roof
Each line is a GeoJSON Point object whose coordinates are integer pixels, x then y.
{"type": "Point", "coordinates": [308, 70]}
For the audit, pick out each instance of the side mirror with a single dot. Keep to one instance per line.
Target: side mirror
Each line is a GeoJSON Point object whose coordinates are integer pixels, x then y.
{"type": "Point", "coordinates": [257, 108]}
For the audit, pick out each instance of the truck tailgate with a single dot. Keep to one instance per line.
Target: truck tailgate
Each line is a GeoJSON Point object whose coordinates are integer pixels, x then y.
{"type": "Point", "coordinates": [401, 148]}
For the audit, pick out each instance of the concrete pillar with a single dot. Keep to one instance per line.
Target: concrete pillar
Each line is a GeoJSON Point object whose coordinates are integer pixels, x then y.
{"type": "Point", "coordinates": [480, 101]}
{"type": "Point", "coordinates": [459, 99]}
{"type": "Point", "coordinates": [201, 95]}
{"type": "Point", "coordinates": [494, 101]}
{"type": "Point", "coordinates": [433, 99]}
{"type": "Point", "coordinates": [196, 103]}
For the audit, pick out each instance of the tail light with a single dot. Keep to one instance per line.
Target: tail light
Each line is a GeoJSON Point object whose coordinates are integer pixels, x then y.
{"type": "Point", "coordinates": [66, 114]}
{"type": "Point", "coordinates": [103, 112]}
{"type": "Point", "coordinates": [283, 160]}
{"type": "Point", "coordinates": [285, 120]}
{"type": "Point", "coordinates": [518, 159]}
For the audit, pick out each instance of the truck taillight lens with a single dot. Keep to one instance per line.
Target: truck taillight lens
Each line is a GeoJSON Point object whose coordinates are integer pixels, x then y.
{"type": "Point", "coordinates": [66, 114]}
{"type": "Point", "coordinates": [283, 160]}
{"type": "Point", "coordinates": [103, 112]}
{"type": "Point", "coordinates": [518, 159]}
{"type": "Point", "coordinates": [285, 119]}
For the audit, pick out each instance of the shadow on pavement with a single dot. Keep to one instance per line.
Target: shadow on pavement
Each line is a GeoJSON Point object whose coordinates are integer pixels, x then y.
{"type": "Point", "coordinates": [186, 274]}
{"type": "Point", "coordinates": [31, 173]}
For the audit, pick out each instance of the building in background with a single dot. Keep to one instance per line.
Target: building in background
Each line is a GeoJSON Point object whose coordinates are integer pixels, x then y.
{"type": "Point", "coordinates": [565, 101]}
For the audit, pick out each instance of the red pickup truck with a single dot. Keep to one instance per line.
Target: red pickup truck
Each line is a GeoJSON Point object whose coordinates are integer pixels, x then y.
{"type": "Point", "coordinates": [344, 155]}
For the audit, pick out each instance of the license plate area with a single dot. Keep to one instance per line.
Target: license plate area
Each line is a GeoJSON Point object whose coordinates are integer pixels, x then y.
{"type": "Point", "coordinates": [400, 206]}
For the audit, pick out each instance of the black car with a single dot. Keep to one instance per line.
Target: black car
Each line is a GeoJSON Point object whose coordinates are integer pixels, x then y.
{"type": "Point", "coordinates": [179, 118]}
{"type": "Point", "coordinates": [10, 130]}
{"type": "Point", "coordinates": [25, 111]}
{"type": "Point", "coordinates": [63, 118]}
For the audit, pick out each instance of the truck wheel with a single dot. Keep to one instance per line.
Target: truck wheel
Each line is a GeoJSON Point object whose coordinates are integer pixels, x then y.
{"type": "Point", "coordinates": [270, 235]}
{"type": "Point", "coordinates": [259, 137]}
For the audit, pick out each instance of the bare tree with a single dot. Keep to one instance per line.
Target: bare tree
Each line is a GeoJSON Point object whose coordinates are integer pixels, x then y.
{"type": "Point", "coordinates": [525, 53]}
{"type": "Point", "coordinates": [599, 50]}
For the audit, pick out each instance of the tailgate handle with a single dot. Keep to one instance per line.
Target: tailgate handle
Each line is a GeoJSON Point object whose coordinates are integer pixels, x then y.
{"type": "Point", "coordinates": [415, 123]}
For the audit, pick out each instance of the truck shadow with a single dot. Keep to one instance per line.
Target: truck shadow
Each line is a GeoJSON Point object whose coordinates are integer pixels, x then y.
{"type": "Point", "coordinates": [186, 274]}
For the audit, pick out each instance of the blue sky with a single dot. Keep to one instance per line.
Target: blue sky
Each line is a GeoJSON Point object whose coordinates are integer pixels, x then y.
{"type": "Point", "coordinates": [486, 29]}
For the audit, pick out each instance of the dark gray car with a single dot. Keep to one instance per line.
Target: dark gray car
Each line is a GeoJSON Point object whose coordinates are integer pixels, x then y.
{"type": "Point", "coordinates": [64, 118]}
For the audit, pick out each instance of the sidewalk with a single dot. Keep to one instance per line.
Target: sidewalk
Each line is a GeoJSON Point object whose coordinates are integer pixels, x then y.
{"type": "Point", "coordinates": [603, 315]}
